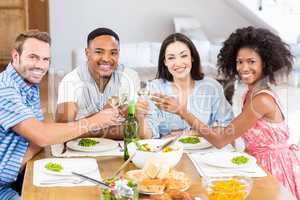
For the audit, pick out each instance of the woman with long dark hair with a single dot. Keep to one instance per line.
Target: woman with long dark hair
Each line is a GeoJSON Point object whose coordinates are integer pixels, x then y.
{"type": "Point", "coordinates": [181, 83]}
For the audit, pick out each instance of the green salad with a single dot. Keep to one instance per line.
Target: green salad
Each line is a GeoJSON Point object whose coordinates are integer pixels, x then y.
{"type": "Point", "coordinates": [239, 160]}
{"type": "Point", "coordinates": [86, 142]}
{"type": "Point", "coordinates": [142, 147]}
{"type": "Point", "coordinates": [108, 194]}
{"type": "Point", "coordinates": [189, 140]}
{"type": "Point", "coordinates": [54, 167]}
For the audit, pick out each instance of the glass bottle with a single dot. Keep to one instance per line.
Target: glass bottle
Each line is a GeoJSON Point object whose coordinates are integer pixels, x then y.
{"type": "Point", "coordinates": [130, 128]}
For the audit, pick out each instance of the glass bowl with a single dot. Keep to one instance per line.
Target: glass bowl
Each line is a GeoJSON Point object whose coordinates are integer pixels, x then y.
{"type": "Point", "coordinates": [227, 188]}
{"type": "Point", "coordinates": [123, 189]}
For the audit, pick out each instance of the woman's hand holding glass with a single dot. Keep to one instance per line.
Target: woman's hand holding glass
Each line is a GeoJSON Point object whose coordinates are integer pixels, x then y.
{"type": "Point", "coordinates": [167, 103]}
{"type": "Point", "coordinates": [142, 108]}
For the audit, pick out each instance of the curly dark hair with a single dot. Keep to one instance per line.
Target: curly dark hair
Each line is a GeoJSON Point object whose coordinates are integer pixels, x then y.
{"type": "Point", "coordinates": [275, 53]}
{"type": "Point", "coordinates": [163, 72]}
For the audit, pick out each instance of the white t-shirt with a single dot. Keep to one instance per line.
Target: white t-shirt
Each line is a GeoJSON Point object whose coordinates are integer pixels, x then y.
{"type": "Point", "coordinates": [79, 87]}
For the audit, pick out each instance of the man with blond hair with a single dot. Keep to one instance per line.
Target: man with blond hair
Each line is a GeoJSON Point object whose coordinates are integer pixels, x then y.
{"type": "Point", "coordinates": [22, 130]}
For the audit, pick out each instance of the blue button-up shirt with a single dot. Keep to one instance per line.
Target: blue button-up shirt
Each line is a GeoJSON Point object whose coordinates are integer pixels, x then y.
{"type": "Point", "coordinates": [18, 101]}
{"type": "Point", "coordinates": [207, 102]}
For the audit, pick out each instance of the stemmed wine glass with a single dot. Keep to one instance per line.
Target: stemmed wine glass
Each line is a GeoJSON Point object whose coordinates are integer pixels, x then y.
{"type": "Point", "coordinates": [117, 102]}
{"type": "Point", "coordinates": [144, 91]}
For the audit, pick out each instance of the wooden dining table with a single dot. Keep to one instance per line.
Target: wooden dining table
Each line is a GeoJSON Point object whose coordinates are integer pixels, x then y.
{"type": "Point", "coordinates": [264, 188]}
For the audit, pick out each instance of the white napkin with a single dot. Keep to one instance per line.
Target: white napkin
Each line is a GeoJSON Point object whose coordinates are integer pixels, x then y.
{"type": "Point", "coordinates": [86, 166]}
{"type": "Point", "coordinates": [214, 171]}
{"type": "Point", "coordinates": [56, 150]}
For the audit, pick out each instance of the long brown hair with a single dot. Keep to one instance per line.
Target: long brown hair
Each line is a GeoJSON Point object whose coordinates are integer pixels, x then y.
{"type": "Point", "coordinates": [163, 72]}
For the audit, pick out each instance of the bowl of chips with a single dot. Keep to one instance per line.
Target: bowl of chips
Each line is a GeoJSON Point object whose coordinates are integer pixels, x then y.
{"type": "Point", "coordinates": [227, 188]}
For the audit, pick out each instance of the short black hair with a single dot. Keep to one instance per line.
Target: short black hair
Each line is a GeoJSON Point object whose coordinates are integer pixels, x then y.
{"type": "Point", "coordinates": [101, 31]}
{"type": "Point", "coordinates": [163, 72]}
{"type": "Point", "coordinates": [275, 53]}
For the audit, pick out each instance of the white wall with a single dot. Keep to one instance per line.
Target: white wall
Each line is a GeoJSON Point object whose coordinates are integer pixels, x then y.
{"type": "Point", "coordinates": [133, 20]}
{"type": "Point", "coordinates": [277, 15]}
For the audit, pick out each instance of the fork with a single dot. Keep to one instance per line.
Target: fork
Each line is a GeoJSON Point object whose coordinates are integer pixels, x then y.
{"type": "Point", "coordinates": [64, 148]}
{"type": "Point", "coordinates": [118, 191]}
{"type": "Point", "coordinates": [57, 181]}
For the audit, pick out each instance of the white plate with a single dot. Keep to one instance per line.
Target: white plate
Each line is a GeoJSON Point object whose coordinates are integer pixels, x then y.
{"type": "Point", "coordinates": [68, 167]}
{"type": "Point", "coordinates": [223, 159]}
{"type": "Point", "coordinates": [203, 144]}
{"type": "Point", "coordinates": [103, 145]}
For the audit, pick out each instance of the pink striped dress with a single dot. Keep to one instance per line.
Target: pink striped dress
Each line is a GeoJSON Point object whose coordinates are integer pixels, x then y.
{"type": "Point", "coordinates": [267, 141]}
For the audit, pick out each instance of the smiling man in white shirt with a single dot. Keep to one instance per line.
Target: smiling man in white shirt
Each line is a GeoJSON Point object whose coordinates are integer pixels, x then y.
{"type": "Point", "coordinates": [86, 89]}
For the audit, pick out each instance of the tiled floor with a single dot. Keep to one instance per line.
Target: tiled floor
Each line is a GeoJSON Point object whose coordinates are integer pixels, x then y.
{"type": "Point", "coordinates": [290, 100]}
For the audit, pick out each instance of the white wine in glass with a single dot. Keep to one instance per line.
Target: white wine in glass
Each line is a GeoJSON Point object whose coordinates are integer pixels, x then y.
{"type": "Point", "coordinates": [114, 101]}
{"type": "Point", "coordinates": [144, 91]}
{"type": "Point", "coordinates": [117, 101]}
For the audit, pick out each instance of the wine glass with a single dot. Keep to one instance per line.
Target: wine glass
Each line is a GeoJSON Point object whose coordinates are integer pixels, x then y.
{"type": "Point", "coordinates": [144, 91]}
{"type": "Point", "coordinates": [117, 101]}
{"type": "Point", "coordinates": [113, 101]}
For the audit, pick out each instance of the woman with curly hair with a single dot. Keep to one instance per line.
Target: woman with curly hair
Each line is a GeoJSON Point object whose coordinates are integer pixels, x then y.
{"type": "Point", "coordinates": [255, 55]}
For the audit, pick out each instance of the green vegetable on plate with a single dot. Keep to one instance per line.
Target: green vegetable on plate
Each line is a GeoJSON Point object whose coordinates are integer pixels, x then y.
{"type": "Point", "coordinates": [86, 142]}
{"type": "Point", "coordinates": [189, 140]}
{"type": "Point", "coordinates": [54, 167]}
{"type": "Point", "coordinates": [239, 160]}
